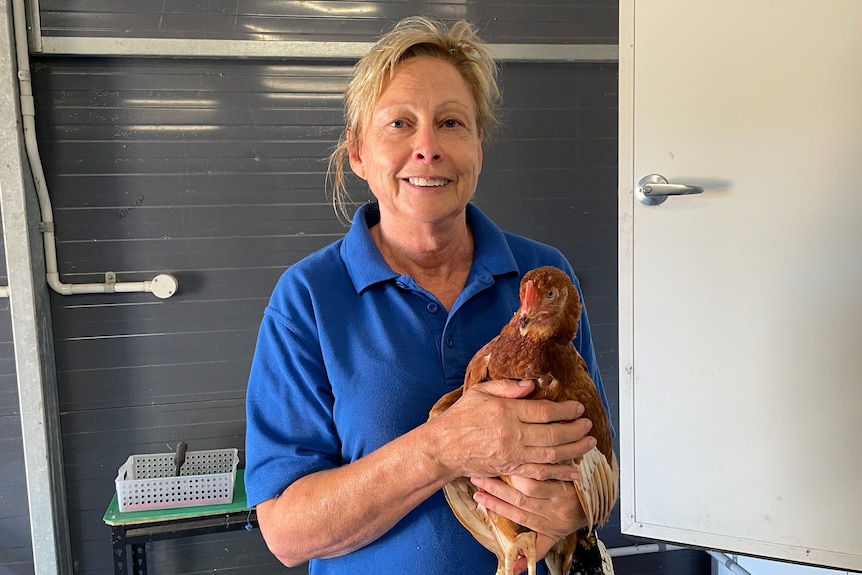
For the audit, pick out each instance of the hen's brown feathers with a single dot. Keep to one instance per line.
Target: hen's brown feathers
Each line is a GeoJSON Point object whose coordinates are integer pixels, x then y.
{"type": "Point", "coordinates": [537, 344]}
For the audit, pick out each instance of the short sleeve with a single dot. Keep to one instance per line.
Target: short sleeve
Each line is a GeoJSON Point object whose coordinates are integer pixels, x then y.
{"type": "Point", "coordinates": [289, 410]}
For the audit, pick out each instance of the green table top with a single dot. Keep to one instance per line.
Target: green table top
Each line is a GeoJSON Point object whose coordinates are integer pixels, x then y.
{"type": "Point", "coordinates": [113, 515]}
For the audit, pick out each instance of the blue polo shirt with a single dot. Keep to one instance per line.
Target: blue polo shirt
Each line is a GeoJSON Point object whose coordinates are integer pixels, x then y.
{"type": "Point", "coordinates": [352, 355]}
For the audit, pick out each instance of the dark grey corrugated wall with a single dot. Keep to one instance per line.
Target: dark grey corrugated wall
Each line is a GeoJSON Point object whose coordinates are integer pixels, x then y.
{"type": "Point", "coordinates": [502, 21]}
{"type": "Point", "coordinates": [213, 170]}
{"type": "Point", "coordinates": [16, 555]}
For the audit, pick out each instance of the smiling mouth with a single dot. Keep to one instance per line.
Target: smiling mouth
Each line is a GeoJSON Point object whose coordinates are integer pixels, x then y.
{"type": "Point", "coordinates": [428, 182]}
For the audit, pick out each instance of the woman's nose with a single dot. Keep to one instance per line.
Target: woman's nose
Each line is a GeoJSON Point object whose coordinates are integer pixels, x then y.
{"type": "Point", "coordinates": [426, 146]}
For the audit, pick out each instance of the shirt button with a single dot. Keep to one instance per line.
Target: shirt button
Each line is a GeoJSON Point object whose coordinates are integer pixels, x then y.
{"type": "Point", "coordinates": [449, 342]}
{"type": "Point", "coordinates": [432, 307]}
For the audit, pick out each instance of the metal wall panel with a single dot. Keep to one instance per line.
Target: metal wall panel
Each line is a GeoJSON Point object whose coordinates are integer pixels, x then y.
{"type": "Point", "coordinates": [501, 21]}
{"type": "Point", "coordinates": [16, 550]}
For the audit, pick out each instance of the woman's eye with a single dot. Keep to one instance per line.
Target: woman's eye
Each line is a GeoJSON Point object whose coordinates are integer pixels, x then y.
{"type": "Point", "coordinates": [397, 123]}
{"type": "Point", "coordinates": [451, 123]}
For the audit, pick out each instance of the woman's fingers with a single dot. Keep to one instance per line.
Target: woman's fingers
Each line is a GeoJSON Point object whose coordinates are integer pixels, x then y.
{"type": "Point", "coordinates": [505, 388]}
{"type": "Point", "coordinates": [549, 449]}
{"type": "Point", "coordinates": [545, 411]}
{"type": "Point", "coordinates": [538, 411]}
{"type": "Point", "coordinates": [549, 507]}
{"type": "Point", "coordinates": [553, 434]}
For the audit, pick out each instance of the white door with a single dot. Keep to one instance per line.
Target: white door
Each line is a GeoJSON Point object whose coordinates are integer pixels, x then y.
{"type": "Point", "coordinates": [741, 307]}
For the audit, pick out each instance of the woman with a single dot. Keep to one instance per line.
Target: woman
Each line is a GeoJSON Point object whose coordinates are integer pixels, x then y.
{"type": "Point", "coordinates": [362, 337]}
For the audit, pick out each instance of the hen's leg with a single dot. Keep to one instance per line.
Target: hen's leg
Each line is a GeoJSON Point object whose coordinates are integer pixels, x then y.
{"type": "Point", "coordinates": [524, 543]}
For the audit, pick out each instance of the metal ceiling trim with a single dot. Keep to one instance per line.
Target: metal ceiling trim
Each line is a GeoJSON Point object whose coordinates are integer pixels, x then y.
{"type": "Point", "coordinates": [204, 48]}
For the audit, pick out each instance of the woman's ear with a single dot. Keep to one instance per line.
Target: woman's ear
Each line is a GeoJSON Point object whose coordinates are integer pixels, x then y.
{"type": "Point", "coordinates": [354, 155]}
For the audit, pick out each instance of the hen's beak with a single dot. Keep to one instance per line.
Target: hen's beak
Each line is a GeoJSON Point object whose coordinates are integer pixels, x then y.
{"type": "Point", "coordinates": [524, 319]}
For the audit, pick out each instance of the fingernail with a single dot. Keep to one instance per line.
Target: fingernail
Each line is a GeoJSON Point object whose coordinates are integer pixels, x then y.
{"type": "Point", "coordinates": [525, 382]}
{"type": "Point", "coordinates": [581, 409]}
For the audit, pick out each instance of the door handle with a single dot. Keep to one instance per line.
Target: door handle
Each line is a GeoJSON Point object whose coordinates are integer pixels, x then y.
{"type": "Point", "coordinates": [654, 189]}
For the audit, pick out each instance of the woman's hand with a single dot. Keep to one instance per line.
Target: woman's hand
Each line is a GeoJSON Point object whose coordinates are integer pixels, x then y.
{"type": "Point", "coordinates": [550, 508]}
{"type": "Point", "coordinates": [488, 432]}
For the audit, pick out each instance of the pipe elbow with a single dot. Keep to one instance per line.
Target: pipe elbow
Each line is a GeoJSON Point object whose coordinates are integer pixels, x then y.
{"type": "Point", "coordinates": [55, 284]}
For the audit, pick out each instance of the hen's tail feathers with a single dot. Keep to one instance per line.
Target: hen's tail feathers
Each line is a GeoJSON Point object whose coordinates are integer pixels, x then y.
{"type": "Point", "coordinates": [591, 556]}
{"type": "Point", "coordinates": [597, 487]}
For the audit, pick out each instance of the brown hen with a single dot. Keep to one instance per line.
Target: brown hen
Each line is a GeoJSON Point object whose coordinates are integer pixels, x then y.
{"type": "Point", "coordinates": [537, 344]}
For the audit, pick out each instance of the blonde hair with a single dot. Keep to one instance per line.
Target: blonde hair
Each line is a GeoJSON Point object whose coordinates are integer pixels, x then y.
{"type": "Point", "coordinates": [413, 36]}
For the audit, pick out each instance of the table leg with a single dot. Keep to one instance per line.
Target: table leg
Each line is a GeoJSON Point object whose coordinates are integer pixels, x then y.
{"type": "Point", "coordinates": [121, 557]}
{"type": "Point", "coordinates": [139, 559]}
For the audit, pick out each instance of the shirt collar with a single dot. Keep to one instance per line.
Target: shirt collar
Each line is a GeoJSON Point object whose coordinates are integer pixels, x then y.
{"type": "Point", "coordinates": [366, 265]}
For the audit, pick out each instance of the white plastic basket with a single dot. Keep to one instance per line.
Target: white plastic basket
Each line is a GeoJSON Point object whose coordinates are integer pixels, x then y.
{"type": "Point", "coordinates": [148, 482]}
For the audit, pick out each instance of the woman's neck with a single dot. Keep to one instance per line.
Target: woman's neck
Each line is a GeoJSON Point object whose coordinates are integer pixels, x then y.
{"type": "Point", "coordinates": [438, 260]}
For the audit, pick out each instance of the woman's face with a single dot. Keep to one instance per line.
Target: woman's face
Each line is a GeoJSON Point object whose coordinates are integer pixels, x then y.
{"type": "Point", "coordinates": [421, 153]}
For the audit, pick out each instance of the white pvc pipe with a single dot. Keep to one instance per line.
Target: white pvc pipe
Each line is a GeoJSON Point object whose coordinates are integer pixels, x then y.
{"type": "Point", "coordinates": [107, 287]}
{"type": "Point", "coordinates": [728, 563]}
{"type": "Point", "coordinates": [165, 288]}
{"type": "Point", "coordinates": [643, 549]}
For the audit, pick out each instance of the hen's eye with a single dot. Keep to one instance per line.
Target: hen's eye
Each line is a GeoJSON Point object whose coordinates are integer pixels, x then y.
{"type": "Point", "coordinates": [551, 294]}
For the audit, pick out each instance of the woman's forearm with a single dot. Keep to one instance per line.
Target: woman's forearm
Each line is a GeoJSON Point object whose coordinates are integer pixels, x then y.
{"type": "Point", "coordinates": [336, 511]}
